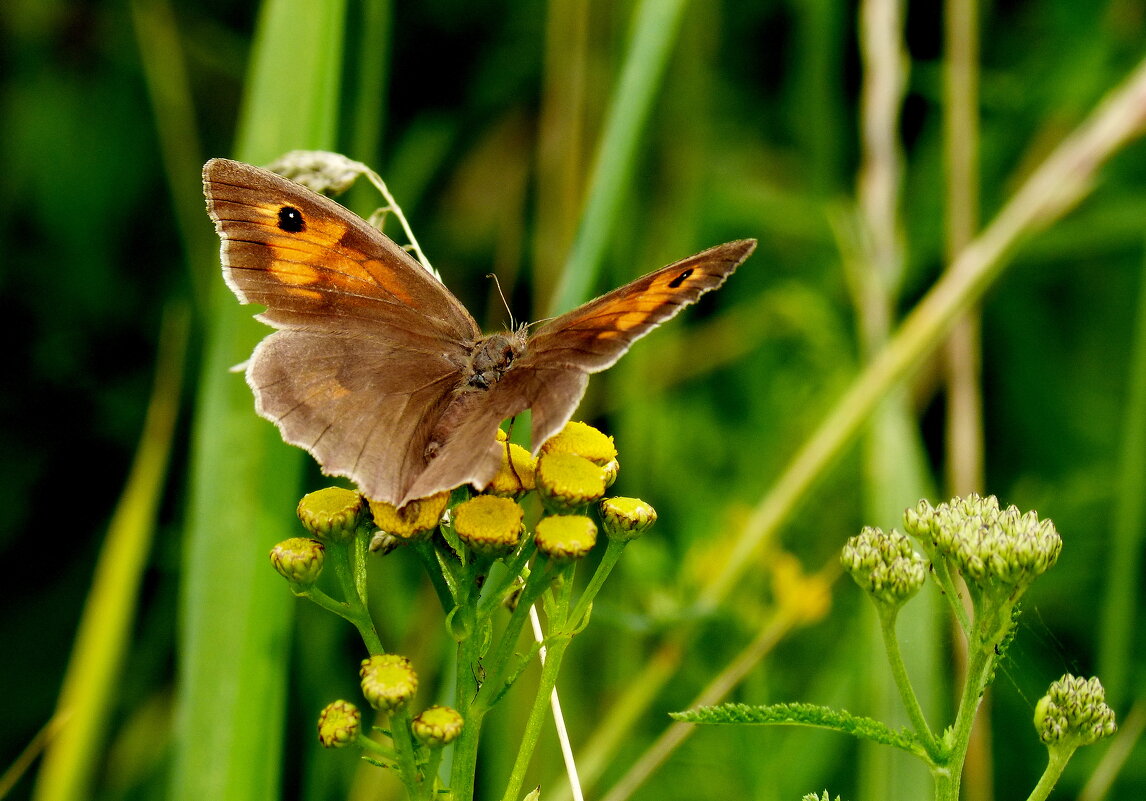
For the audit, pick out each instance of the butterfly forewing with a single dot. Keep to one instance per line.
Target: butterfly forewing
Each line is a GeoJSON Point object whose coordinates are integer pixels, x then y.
{"type": "Point", "coordinates": [314, 265]}
{"type": "Point", "coordinates": [593, 336]}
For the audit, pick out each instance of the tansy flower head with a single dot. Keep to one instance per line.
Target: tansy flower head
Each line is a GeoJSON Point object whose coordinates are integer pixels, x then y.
{"type": "Point", "coordinates": [413, 521]}
{"type": "Point", "coordinates": [331, 514]}
{"type": "Point", "coordinates": [388, 681]}
{"type": "Point", "coordinates": [568, 482]}
{"type": "Point", "coordinates": [583, 440]}
{"type": "Point", "coordinates": [437, 726]}
{"type": "Point", "coordinates": [1074, 713]}
{"type": "Point", "coordinates": [626, 518]}
{"type": "Point", "coordinates": [884, 565]}
{"type": "Point", "coordinates": [489, 524]}
{"type": "Point", "coordinates": [339, 724]}
{"type": "Point", "coordinates": [565, 537]}
{"type": "Point", "coordinates": [516, 481]}
{"type": "Point", "coordinates": [299, 559]}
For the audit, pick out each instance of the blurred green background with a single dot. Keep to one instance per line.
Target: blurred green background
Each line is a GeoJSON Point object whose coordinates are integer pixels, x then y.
{"type": "Point", "coordinates": [595, 140]}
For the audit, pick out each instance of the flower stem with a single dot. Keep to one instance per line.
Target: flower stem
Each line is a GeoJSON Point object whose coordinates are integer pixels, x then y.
{"type": "Point", "coordinates": [1056, 763]}
{"type": "Point", "coordinates": [887, 617]}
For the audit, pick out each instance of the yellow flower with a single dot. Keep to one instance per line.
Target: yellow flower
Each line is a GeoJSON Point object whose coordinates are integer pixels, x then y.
{"type": "Point", "coordinates": [806, 598]}
{"type": "Point", "coordinates": [332, 513]}
{"type": "Point", "coordinates": [568, 482]}
{"type": "Point", "coordinates": [515, 482]}
{"type": "Point", "coordinates": [583, 440]}
{"type": "Point", "coordinates": [414, 520]}
{"type": "Point", "coordinates": [489, 524]}
{"type": "Point", "coordinates": [565, 537]}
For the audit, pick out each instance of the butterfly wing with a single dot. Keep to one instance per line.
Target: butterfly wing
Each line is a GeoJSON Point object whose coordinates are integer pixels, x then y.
{"type": "Point", "coordinates": [371, 346]}
{"type": "Point", "coordinates": [592, 337]}
{"type": "Point", "coordinates": [551, 376]}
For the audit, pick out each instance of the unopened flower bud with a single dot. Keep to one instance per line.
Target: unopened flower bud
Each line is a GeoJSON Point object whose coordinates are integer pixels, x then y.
{"type": "Point", "coordinates": [331, 514]}
{"type": "Point", "coordinates": [884, 565]}
{"type": "Point", "coordinates": [437, 726]}
{"type": "Point", "coordinates": [1074, 712]}
{"type": "Point", "coordinates": [626, 518]}
{"type": "Point", "coordinates": [299, 560]}
{"type": "Point", "coordinates": [318, 170]}
{"type": "Point", "coordinates": [339, 724]}
{"type": "Point", "coordinates": [388, 681]}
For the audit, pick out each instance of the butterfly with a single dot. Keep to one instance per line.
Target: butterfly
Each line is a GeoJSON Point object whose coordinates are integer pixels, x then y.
{"type": "Point", "coordinates": [378, 370]}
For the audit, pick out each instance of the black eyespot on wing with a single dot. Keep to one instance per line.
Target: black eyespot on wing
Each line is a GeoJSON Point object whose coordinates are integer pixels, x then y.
{"type": "Point", "coordinates": [680, 279]}
{"type": "Point", "coordinates": [290, 220]}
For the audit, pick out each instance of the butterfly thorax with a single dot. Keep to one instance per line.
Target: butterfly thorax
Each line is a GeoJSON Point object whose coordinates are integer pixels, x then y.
{"type": "Point", "coordinates": [491, 357]}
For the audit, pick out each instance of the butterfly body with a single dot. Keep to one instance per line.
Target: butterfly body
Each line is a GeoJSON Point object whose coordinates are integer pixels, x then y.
{"type": "Point", "coordinates": [378, 370]}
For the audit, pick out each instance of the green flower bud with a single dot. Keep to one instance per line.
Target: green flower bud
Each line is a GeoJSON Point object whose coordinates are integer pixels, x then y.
{"type": "Point", "coordinates": [489, 524]}
{"type": "Point", "coordinates": [339, 724]}
{"type": "Point", "coordinates": [884, 565]}
{"type": "Point", "coordinates": [299, 559]}
{"type": "Point", "coordinates": [626, 518]}
{"type": "Point", "coordinates": [331, 514]}
{"type": "Point", "coordinates": [388, 681]}
{"type": "Point", "coordinates": [1074, 713]}
{"type": "Point", "coordinates": [1004, 549]}
{"type": "Point", "coordinates": [437, 726]}
{"type": "Point", "coordinates": [565, 537]}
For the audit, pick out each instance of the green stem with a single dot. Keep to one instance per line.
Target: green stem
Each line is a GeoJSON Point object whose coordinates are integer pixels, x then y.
{"type": "Point", "coordinates": [554, 654]}
{"type": "Point", "coordinates": [604, 568]}
{"type": "Point", "coordinates": [349, 559]}
{"type": "Point", "coordinates": [1056, 763]}
{"type": "Point", "coordinates": [441, 578]}
{"type": "Point", "coordinates": [376, 749]}
{"type": "Point", "coordinates": [887, 617]}
{"type": "Point", "coordinates": [559, 618]}
{"type": "Point", "coordinates": [979, 656]}
{"type": "Point", "coordinates": [406, 750]}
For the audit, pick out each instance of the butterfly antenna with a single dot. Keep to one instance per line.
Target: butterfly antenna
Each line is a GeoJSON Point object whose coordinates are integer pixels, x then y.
{"type": "Point", "coordinates": [509, 454]}
{"type": "Point", "coordinates": [504, 302]}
